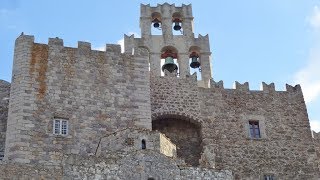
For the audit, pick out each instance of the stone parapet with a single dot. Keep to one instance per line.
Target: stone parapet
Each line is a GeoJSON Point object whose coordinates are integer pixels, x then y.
{"type": "Point", "coordinates": [265, 88]}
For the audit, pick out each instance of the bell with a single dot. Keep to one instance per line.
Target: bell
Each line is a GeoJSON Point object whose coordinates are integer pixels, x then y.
{"type": "Point", "coordinates": [194, 62]}
{"type": "Point", "coordinates": [176, 26]}
{"type": "Point", "coordinates": [156, 23]}
{"type": "Point", "coordinates": [169, 65]}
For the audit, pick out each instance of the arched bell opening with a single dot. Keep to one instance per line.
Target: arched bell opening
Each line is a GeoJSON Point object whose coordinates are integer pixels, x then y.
{"type": "Point", "coordinates": [177, 23]}
{"type": "Point", "coordinates": [195, 61]}
{"type": "Point", "coordinates": [156, 23]}
{"type": "Point", "coordinates": [185, 134]}
{"type": "Point", "coordinates": [169, 60]}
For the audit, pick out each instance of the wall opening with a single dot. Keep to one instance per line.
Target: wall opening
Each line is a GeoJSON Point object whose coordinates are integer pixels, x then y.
{"type": "Point", "coordinates": [194, 52]}
{"type": "Point", "coordinates": [143, 144]}
{"type": "Point", "coordinates": [177, 24]}
{"type": "Point", "coordinates": [169, 56]}
{"type": "Point", "coordinates": [156, 24]}
{"type": "Point", "coordinates": [162, 61]}
{"type": "Point", "coordinates": [184, 134]}
{"type": "Point", "coordinates": [197, 71]}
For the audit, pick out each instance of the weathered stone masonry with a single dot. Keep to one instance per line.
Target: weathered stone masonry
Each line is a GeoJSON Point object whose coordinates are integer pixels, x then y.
{"type": "Point", "coordinates": [98, 92]}
{"type": "Point", "coordinates": [286, 148]}
{"type": "Point", "coordinates": [4, 102]}
{"type": "Point", "coordinates": [126, 121]}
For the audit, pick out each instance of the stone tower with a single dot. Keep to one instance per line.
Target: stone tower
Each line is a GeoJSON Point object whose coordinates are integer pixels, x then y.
{"type": "Point", "coordinates": [183, 45]}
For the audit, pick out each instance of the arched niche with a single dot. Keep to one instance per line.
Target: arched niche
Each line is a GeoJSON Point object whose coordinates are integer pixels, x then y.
{"type": "Point", "coordinates": [156, 23]}
{"type": "Point", "coordinates": [162, 61]}
{"type": "Point", "coordinates": [184, 132]}
{"type": "Point", "coordinates": [177, 19]}
{"type": "Point", "coordinates": [143, 144]}
{"type": "Point", "coordinates": [195, 50]}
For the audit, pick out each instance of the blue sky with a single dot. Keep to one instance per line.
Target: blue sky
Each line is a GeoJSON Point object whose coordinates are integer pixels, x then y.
{"type": "Point", "coordinates": [267, 40]}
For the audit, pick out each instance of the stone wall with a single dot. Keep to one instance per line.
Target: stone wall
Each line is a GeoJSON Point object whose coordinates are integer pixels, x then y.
{"type": "Point", "coordinates": [10, 171]}
{"type": "Point", "coordinates": [285, 148]}
{"type": "Point", "coordinates": [175, 96]}
{"type": "Point", "coordinates": [128, 140]}
{"type": "Point", "coordinates": [316, 140]}
{"type": "Point", "coordinates": [143, 164]}
{"type": "Point", "coordinates": [175, 111]}
{"type": "Point", "coordinates": [4, 104]}
{"type": "Point", "coordinates": [97, 92]}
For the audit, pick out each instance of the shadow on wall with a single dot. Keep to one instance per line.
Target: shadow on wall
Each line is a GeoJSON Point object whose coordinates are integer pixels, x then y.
{"type": "Point", "coordinates": [184, 134]}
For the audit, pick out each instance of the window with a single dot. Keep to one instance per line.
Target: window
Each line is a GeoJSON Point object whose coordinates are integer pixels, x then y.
{"type": "Point", "coordinates": [269, 177]}
{"type": "Point", "coordinates": [143, 144]}
{"type": "Point", "coordinates": [254, 129]}
{"type": "Point", "coordinates": [60, 127]}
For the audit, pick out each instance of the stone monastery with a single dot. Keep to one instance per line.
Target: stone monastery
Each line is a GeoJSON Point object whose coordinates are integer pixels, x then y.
{"type": "Point", "coordinates": [78, 113]}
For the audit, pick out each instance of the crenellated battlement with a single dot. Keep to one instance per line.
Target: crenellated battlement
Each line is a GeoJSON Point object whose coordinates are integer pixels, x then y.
{"type": "Point", "coordinates": [186, 10]}
{"type": "Point", "coordinates": [241, 87]}
{"type": "Point", "coordinates": [82, 45]}
{"type": "Point", "coordinates": [55, 42]}
{"type": "Point", "coordinates": [266, 88]}
{"type": "Point", "coordinates": [56, 51]}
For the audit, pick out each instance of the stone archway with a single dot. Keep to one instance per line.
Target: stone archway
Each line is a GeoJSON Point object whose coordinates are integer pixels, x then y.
{"type": "Point", "coordinates": [185, 134]}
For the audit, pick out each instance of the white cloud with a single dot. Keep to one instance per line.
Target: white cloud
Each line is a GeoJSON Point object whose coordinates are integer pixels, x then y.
{"type": "Point", "coordinates": [309, 75]}
{"type": "Point", "coordinates": [315, 125]}
{"type": "Point", "coordinates": [314, 20]}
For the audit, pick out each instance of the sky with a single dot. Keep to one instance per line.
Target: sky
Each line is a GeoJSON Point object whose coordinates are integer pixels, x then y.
{"type": "Point", "coordinates": [251, 41]}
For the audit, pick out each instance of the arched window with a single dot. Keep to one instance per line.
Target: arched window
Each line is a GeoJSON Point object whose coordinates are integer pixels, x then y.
{"type": "Point", "coordinates": [156, 24]}
{"type": "Point", "coordinates": [143, 144]}
{"type": "Point", "coordinates": [177, 24]}
{"type": "Point", "coordinates": [169, 60]}
{"type": "Point", "coordinates": [194, 61]}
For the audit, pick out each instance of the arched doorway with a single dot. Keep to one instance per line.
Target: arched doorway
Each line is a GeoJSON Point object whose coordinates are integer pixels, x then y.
{"type": "Point", "coordinates": [184, 134]}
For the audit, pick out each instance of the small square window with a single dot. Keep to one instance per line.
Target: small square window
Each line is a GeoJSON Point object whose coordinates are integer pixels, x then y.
{"type": "Point", "coordinates": [269, 177]}
{"type": "Point", "coordinates": [254, 129]}
{"type": "Point", "coordinates": [60, 126]}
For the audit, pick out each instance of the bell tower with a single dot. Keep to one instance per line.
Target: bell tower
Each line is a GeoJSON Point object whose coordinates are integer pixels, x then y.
{"type": "Point", "coordinates": [176, 50]}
